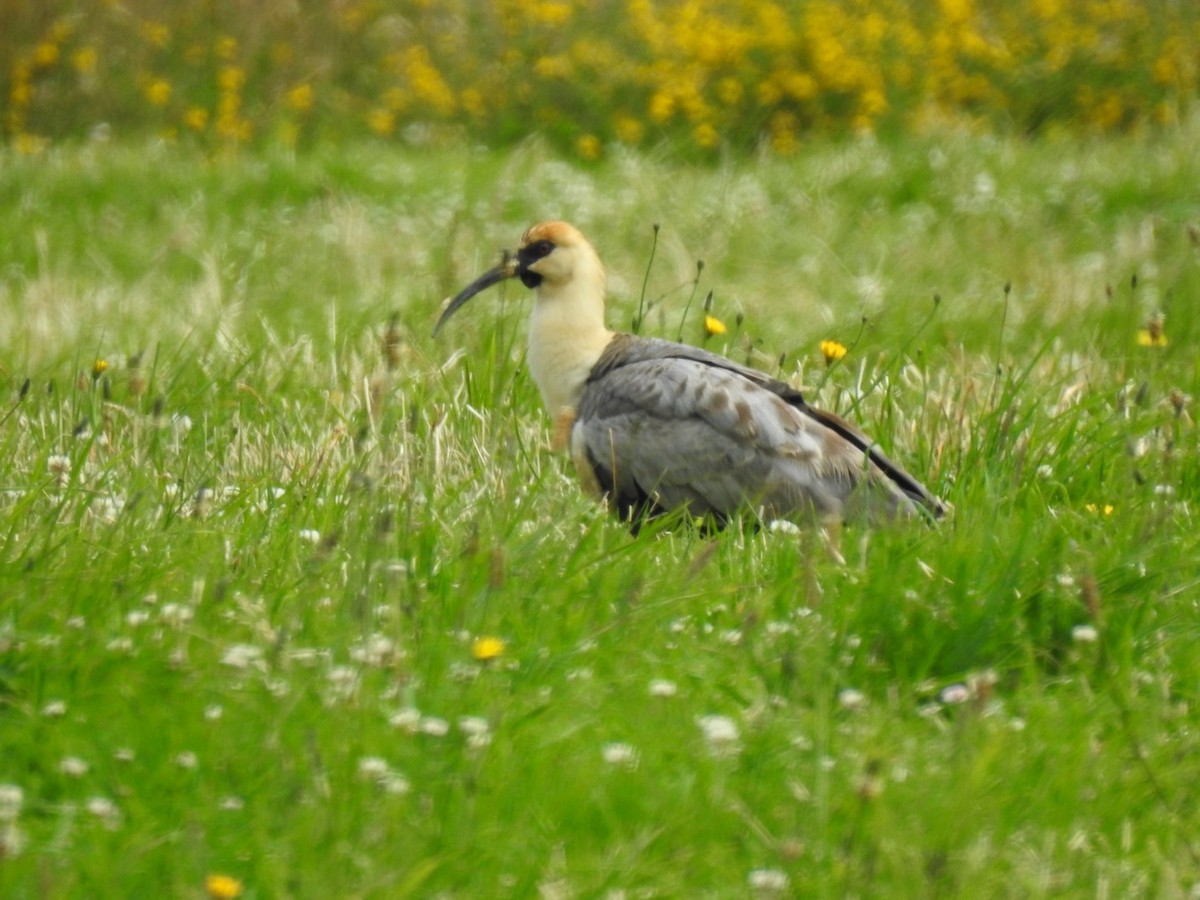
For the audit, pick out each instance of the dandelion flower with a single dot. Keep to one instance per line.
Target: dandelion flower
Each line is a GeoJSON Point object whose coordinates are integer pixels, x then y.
{"type": "Point", "coordinates": [487, 648]}
{"type": "Point", "coordinates": [713, 325]}
{"type": "Point", "coordinates": [157, 91]}
{"type": "Point", "coordinates": [99, 367]}
{"type": "Point", "coordinates": [196, 118]}
{"type": "Point", "coordinates": [832, 351]}
{"type": "Point", "coordinates": [45, 54]}
{"type": "Point", "coordinates": [300, 98]}
{"type": "Point", "coordinates": [222, 887]}
{"type": "Point", "coordinates": [588, 146]}
{"type": "Point", "coordinates": [1152, 335]}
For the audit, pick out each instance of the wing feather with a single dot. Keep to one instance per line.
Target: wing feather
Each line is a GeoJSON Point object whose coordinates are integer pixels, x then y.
{"type": "Point", "coordinates": [663, 425]}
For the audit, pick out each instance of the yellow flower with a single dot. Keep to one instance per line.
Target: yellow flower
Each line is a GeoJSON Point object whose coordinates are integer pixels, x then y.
{"type": "Point", "coordinates": [196, 118]}
{"type": "Point", "coordinates": [1107, 509]}
{"type": "Point", "coordinates": [45, 54]}
{"type": "Point", "coordinates": [99, 367]}
{"type": "Point", "coordinates": [231, 79]}
{"type": "Point", "coordinates": [381, 121]}
{"type": "Point", "coordinates": [1152, 335]}
{"type": "Point", "coordinates": [629, 130]}
{"type": "Point", "coordinates": [706, 136]}
{"type": "Point", "coordinates": [156, 33]}
{"type": "Point", "coordinates": [832, 351]}
{"type": "Point", "coordinates": [588, 146]}
{"type": "Point", "coordinates": [487, 648]}
{"type": "Point", "coordinates": [713, 325]}
{"type": "Point", "coordinates": [84, 60]}
{"type": "Point", "coordinates": [30, 144]}
{"type": "Point", "coordinates": [225, 47]}
{"type": "Point", "coordinates": [300, 98]}
{"type": "Point", "coordinates": [157, 91]}
{"type": "Point", "coordinates": [1147, 338]}
{"type": "Point", "coordinates": [222, 887]}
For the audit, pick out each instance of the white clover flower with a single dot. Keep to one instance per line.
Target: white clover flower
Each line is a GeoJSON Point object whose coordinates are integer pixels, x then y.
{"type": "Point", "coordinates": [1085, 634]}
{"type": "Point", "coordinates": [232, 803]}
{"type": "Point", "coordinates": [721, 733]}
{"type": "Point", "coordinates": [73, 766]}
{"type": "Point", "coordinates": [620, 754]}
{"type": "Point", "coordinates": [473, 725]}
{"type": "Point", "coordinates": [768, 880]}
{"type": "Point", "coordinates": [11, 800]}
{"type": "Point", "coordinates": [377, 650]}
{"type": "Point", "coordinates": [433, 726]}
{"type": "Point", "coordinates": [242, 656]}
{"type": "Point", "coordinates": [59, 467]}
{"type": "Point", "coordinates": [408, 719]}
{"type": "Point", "coordinates": [187, 760]}
{"type": "Point", "coordinates": [102, 808]}
{"type": "Point", "coordinates": [54, 709]}
{"type": "Point", "coordinates": [850, 698]}
{"type": "Point", "coordinates": [309, 535]}
{"type": "Point", "coordinates": [373, 766]}
{"type": "Point", "coordinates": [394, 783]}
{"type": "Point", "coordinates": [213, 712]}
{"type": "Point", "coordinates": [176, 614]}
{"type": "Point", "coordinates": [953, 694]}
{"type": "Point", "coordinates": [661, 687]}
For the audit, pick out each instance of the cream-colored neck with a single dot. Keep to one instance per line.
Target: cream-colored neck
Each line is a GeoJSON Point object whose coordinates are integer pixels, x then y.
{"type": "Point", "coordinates": [566, 337]}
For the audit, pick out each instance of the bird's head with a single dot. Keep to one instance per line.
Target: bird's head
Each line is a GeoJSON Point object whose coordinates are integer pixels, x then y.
{"type": "Point", "coordinates": [553, 258]}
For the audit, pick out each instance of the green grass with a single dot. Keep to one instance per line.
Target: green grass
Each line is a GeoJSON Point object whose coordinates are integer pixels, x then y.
{"type": "Point", "coordinates": [232, 573]}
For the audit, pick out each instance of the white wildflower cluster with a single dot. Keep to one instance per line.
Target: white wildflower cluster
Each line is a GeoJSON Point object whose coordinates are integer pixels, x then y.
{"type": "Point", "coordinates": [721, 734]}
{"type": "Point", "coordinates": [767, 881]}
{"type": "Point", "coordinates": [376, 650]}
{"type": "Point", "coordinates": [105, 810]}
{"type": "Point", "coordinates": [343, 684]}
{"type": "Point", "coordinates": [377, 769]}
{"type": "Point", "coordinates": [620, 755]}
{"type": "Point", "coordinates": [243, 656]}
{"type": "Point", "coordinates": [851, 698]}
{"type": "Point", "coordinates": [73, 766]}
{"type": "Point", "coordinates": [661, 687]}
{"type": "Point", "coordinates": [477, 730]}
{"type": "Point", "coordinates": [12, 839]}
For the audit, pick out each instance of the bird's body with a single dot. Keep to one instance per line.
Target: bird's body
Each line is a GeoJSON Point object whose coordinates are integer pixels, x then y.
{"type": "Point", "coordinates": [655, 425]}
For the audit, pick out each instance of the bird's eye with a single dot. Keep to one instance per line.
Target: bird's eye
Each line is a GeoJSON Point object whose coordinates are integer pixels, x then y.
{"type": "Point", "coordinates": [541, 248]}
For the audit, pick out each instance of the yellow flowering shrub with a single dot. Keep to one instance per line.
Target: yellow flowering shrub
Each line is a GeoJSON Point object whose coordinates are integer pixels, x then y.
{"type": "Point", "coordinates": [705, 75]}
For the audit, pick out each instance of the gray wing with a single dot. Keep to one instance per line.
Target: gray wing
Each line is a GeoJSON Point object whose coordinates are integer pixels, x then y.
{"type": "Point", "coordinates": [663, 425]}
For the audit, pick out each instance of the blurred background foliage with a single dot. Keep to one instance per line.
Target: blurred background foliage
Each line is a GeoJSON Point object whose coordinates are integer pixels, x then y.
{"type": "Point", "coordinates": [705, 75]}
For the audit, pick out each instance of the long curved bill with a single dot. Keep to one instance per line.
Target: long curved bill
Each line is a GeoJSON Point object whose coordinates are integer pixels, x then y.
{"type": "Point", "coordinates": [506, 269]}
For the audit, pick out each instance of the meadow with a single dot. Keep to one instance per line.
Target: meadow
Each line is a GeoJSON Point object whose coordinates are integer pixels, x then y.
{"type": "Point", "coordinates": [296, 601]}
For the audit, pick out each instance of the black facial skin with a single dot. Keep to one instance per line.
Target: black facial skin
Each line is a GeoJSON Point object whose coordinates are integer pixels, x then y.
{"type": "Point", "coordinates": [528, 255]}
